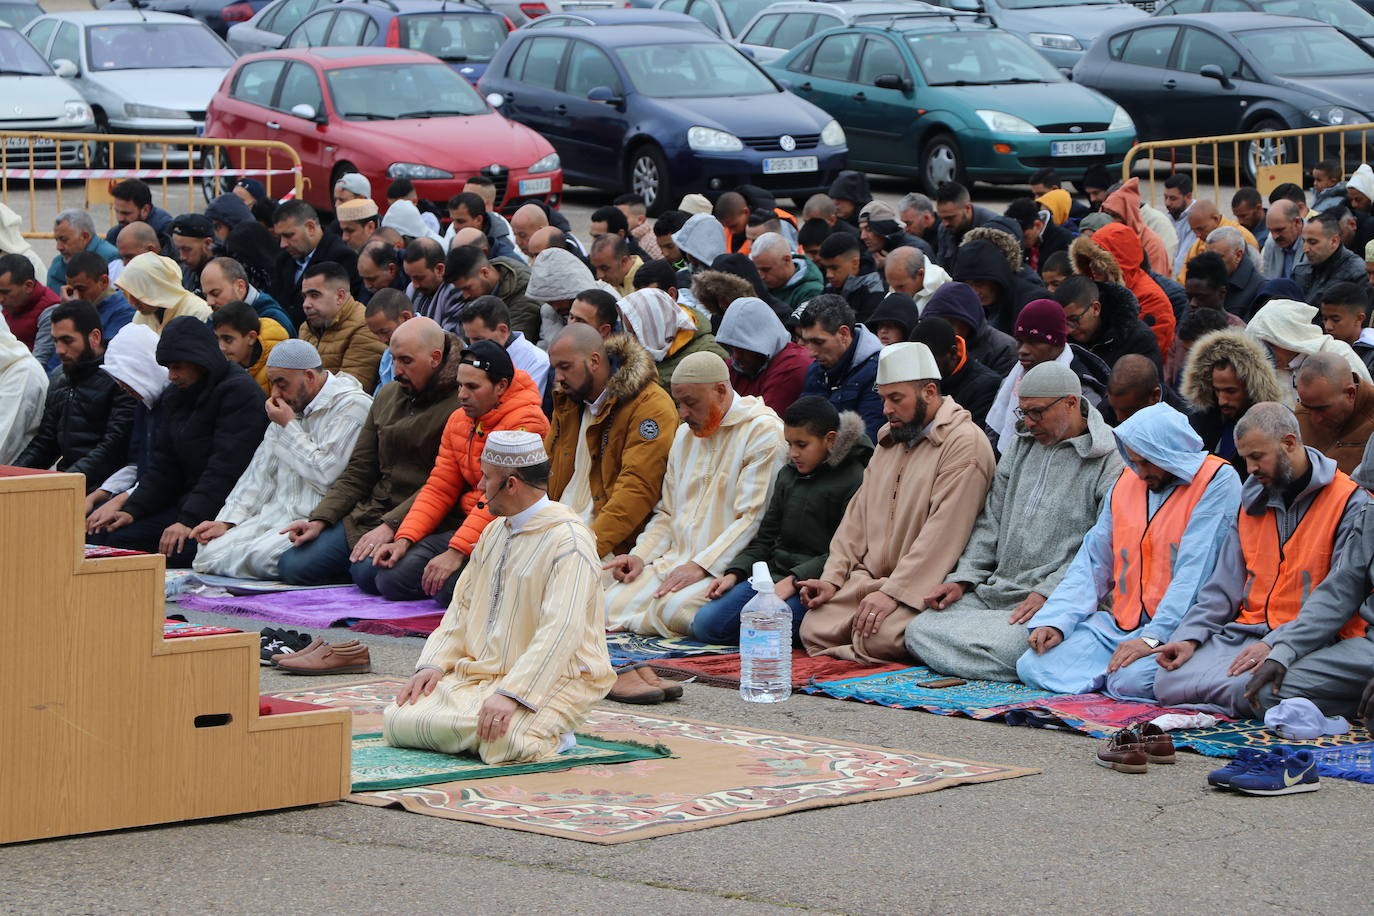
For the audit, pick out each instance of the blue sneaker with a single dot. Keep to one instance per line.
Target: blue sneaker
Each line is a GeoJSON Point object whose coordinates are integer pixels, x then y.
{"type": "Point", "coordinates": [1286, 775]}
{"type": "Point", "coordinates": [1247, 758]}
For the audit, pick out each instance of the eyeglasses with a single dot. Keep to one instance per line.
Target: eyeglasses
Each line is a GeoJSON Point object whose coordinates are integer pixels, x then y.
{"type": "Point", "coordinates": [1036, 413]}
{"type": "Point", "coordinates": [1074, 319]}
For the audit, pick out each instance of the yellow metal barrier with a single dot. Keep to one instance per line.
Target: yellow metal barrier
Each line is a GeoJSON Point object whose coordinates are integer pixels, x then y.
{"type": "Point", "coordinates": [42, 162]}
{"type": "Point", "coordinates": [1265, 159]}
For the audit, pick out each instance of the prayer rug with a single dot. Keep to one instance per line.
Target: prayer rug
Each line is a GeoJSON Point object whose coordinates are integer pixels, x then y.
{"type": "Point", "coordinates": [1227, 738]}
{"type": "Point", "coordinates": [1087, 713]}
{"type": "Point", "coordinates": [631, 647]}
{"type": "Point", "coordinates": [378, 766]}
{"type": "Point", "coordinates": [97, 552]}
{"type": "Point", "coordinates": [314, 608]}
{"type": "Point", "coordinates": [719, 775]}
{"type": "Point", "coordinates": [900, 689]}
{"type": "Point", "coordinates": [419, 625]}
{"type": "Point", "coordinates": [236, 586]}
{"type": "Point", "coordinates": [724, 670]}
{"type": "Point", "coordinates": [173, 629]}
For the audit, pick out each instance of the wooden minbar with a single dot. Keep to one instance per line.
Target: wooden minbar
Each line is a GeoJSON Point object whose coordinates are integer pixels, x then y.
{"type": "Point", "coordinates": [105, 724]}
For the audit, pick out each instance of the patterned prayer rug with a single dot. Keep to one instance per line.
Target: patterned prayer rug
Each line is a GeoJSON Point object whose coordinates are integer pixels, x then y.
{"type": "Point", "coordinates": [719, 775]}
{"type": "Point", "coordinates": [900, 689]}
{"type": "Point", "coordinates": [314, 608]}
{"type": "Point", "coordinates": [1087, 713]}
{"type": "Point", "coordinates": [631, 647]}
{"type": "Point", "coordinates": [419, 625]}
{"type": "Point", "coordinates": [1226, 738]}
{"type": "Point", "coordinates": [724, 670]}
{"type": "Point", "coordinates": [97, 552]}
{"type": "Point", "coordinates": [377, 765]}
{"type": "Point", "coordinates": [237, 586]}
{"type": "Point", "coordinates": [174, 629]}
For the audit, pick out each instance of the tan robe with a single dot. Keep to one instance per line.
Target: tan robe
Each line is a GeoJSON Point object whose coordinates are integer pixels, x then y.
{"type": "Point", "coordinates": [902, 533]}
{"type": "Point", "coordinates": [525, 622]}
{"type": "Point", "coordinates": [714, 495]}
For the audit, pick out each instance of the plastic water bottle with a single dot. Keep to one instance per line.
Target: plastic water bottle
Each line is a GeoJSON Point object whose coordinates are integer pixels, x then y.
{"type": "Point", "coordinates": [765, 643]}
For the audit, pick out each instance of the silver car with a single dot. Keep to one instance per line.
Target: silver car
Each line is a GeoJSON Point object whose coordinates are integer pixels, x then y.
{"type": "Point", "coordinates": [781, 27]}
{"type": "Point", "coordinates": [141, 73]}
{"type": "Point", "coordinates": [33, 97]}
{"type": "Point", "coordinates": [268, 28]}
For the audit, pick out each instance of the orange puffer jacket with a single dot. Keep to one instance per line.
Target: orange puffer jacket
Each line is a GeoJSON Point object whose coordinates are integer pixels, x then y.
{"type": "Point", "coordinates": [457, 469]}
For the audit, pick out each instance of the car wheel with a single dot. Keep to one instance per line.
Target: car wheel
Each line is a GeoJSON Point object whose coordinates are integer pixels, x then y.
{"type": "Point", "coordinates": [98, 152]}
{"type": "Point", "coordinates": [647, 175]}
{"type": "Point", "coordinates": [942, 162]}
{"type": "Point", "coordinates": [212, 186]}
{"type": "Point", "coordinates": [1260, 153]}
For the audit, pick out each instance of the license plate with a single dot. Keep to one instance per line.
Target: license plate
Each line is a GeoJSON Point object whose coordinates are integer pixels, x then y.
{"type": "Point", "coordinates": [535, 186]}
{"type": "Point", "coordinates": [790, 164]}
{"type": "Point", "coordinates": [1078, 147]}
{"type": "Point", "coordinates": [26, 142]}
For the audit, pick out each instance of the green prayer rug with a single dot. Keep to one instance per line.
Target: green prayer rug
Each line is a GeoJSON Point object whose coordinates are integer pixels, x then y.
{"type": "Point", "coordinates": [378, 766]}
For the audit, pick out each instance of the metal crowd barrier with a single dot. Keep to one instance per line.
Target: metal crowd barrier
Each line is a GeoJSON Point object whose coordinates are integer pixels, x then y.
{"type": "Point", "coordinates": [83, 167]}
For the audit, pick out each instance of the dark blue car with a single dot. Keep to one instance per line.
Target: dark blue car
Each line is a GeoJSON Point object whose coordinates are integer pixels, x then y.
{"type": "Point", "coordinates": [462, 35]}
{"type": "Point", "coordinates": [662, 112]}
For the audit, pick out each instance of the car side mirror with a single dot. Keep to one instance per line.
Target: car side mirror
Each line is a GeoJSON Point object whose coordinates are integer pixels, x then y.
{"type": "Point", "coordinates": [605, 95]}
{"type": "Point", "coordinates": [1213, 71]}
{"type": "Point", "coordinates": [892, 81]}
{"type": "Point", "coordinates": [305, 111]}
{"type": "Point", "coordinates": [495, 99]}
{"type": "Point", "coordinates": [64, 68]}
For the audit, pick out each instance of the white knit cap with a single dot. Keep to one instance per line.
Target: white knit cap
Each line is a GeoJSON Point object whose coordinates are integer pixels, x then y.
{"type": "Point", "coordinates": [294, 353]}
{"type": "Point", "coordinates": [906, 362]}
{"type": "Point", "coordinates": [514, 448]}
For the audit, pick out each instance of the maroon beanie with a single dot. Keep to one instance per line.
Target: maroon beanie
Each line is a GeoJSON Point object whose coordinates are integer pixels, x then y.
{"type": "Point", "coordinates": [1042, 320]}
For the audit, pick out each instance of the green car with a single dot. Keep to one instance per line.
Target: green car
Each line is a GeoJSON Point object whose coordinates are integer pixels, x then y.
{"type": "Point", "coordinates": [947, 100]}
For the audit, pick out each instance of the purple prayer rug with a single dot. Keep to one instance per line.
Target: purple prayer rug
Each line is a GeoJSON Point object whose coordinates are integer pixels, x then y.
{"type": "Point", "coordinates": [314, 608]}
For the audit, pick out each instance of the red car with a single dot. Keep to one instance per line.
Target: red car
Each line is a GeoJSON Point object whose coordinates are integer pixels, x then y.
{"type": "Point", "coordinates": [384, 112]}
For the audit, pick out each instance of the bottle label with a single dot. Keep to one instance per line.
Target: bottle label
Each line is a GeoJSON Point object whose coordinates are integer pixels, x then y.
{"type": "Point", "coordinates": [760, 643]}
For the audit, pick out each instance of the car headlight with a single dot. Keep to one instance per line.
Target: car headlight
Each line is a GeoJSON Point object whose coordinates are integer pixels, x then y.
{"type": "Point", "coordinates": [413, 170]}
{"type": "Point", "coordinates": [77, 111]}
{"type": "Point", "coordinates": [710, 140]}
{"type": "Point", "coordinates": [1054, 41]}
{"type": "Point", "coordinates": [1005, 123]}
{"type": "Point", "coordinates": [833, 134]}
{"type": "Point", "coordinates": [1335, 114]}
{"type": "Point", "coordinates": [549, 163]}
{"type": "Point", "coordinates": [1121, 120]}
{"type": "Point", "coordinates": [153, 111]}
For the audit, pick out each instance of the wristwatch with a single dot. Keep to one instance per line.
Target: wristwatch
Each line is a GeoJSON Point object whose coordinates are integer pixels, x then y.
{"type": "Point", "coordinates": [1151, 642]}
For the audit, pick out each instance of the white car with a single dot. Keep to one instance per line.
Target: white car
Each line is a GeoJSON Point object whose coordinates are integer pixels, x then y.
{"type": "Point", "coordinates": [268, 28]}
{"type": "Point", "coordinates": [33, 97]}
{"type": "Point", "coordinates": [141, 72]}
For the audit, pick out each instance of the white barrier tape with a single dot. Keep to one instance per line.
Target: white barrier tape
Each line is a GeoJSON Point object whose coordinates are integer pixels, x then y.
{"type": "Point", "coordinates": [52, 174]}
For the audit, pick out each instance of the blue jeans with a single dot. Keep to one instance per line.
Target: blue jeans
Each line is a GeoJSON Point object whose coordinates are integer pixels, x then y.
{"type": "Point", "coordinates": [717, 623]}
{"type": "Point", "coordinates": [323, 561]}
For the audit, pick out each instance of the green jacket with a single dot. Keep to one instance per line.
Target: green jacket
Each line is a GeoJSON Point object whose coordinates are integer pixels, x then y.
{"type": "Point", "coordinates": [510, 289]}
{"type": "Point", "coordinates": [701, 340]}
{"type": "Point", "coordinates": [794, 536]}
{"type": "Point", "coordinates": [806, 284]}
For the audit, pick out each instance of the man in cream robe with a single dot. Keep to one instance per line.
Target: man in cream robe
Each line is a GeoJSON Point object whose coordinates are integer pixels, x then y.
{"type": "Point", "coordinates": [725, 457]}
{"type": "Point", "coordinates": [520, 657]}
{"type": "Point", "coordinates": [316, 417]}
{"type": "Point", "coordinates": [908, 524]}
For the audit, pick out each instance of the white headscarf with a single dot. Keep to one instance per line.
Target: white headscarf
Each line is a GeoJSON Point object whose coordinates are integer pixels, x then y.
{"type": "Point", "coordinates": [654, 319]}
{"type": "Point", "coordinates": [11, 348]}
{"type": "Point", "coordinates": [1363, 180]}
{"type": "Point", "coordinates": [131, 358]}
{"type": "Point", "coordinates": [404, 217]}
{"type": "Point", "coordinates": [12, 240]}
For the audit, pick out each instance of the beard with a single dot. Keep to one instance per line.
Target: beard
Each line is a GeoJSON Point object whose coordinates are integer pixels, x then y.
{"type": "Point", "coordinates": [714, 417]}
{"type": "Point", "coordinates": [1283, 476]}
{"type": "Point", "coordinates": [907, 433]}
{"type": "Point", "coordinates": [582, 394]}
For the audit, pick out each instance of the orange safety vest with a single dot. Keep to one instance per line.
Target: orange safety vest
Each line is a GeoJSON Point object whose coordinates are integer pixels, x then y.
{"type": "Point", "coordinates": [1144, 548]}
{"type": "Point", "coordinates": [1279, 577]}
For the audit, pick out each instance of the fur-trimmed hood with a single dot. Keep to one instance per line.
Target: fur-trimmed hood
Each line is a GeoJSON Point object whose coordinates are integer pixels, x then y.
{"type": "Point", "coordinates": [1244, 353]}
{"type": "Point", "coordinates": [637, 369]}
{"type": "Point", "coordinates": [1085, 254]}
{"type": "Point", "coordinates": [1009, 244]}
{"type": "Point", "coordinates": [850, 440]}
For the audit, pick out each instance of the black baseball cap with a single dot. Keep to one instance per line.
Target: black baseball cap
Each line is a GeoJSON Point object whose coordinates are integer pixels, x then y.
{"type": "Point", "coordinates": [490, 357]}
{"type": "Point", "coordinates": [193, 226]}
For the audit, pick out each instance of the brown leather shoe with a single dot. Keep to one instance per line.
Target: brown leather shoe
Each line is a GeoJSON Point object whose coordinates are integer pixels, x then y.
{"type": "Point", "coordinates": [670, 690]}
{"type": "Point", "coordinates": [340, 659]}
{"type": "Point", "coordinates": [1159, 747]}
{"type": "Point", "coordinates": [1123, 752]}
{"type": "Point", "coordinates": [314, 646]}
{"type": "Point", "coordinates": [631, 687]}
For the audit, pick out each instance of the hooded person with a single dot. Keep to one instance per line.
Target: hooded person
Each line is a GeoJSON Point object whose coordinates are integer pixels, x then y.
{"type": "Point", "coordinates": [1153, 546]}
{"type": "Point", "coordinates": [23, 390]}
{"type": "Point", "coordinates": [1226, 372]}
{"type": "Point", "coordinates": [764, 360]}
{"type": "Point", "coordinates": [212, 423]}
{"type": "Point", "coordinates": [1123, 205]}
{"type": "Point", "coordinates": [1285, 327]}
{"type": "Point", "coordinates": [984, 266]}
{"type": "Point", "coordinates": [1026, 283]}
{"type": "Point", "coordinates": [1121, 248]}
{"type": "Point", "coordinates": [12, 240]}
{"type": "Point", "coordinates": [244, 239]}
{"type": "Point", "coordinates": [702, 240]}
{"type": "Point", "coordinates": [1052, 479]}
{"type": "Point", "coordinates": [556, 277]}
{"type": "Point", "coordinates": [131, 360]}
{"type": "Point", "coordinates": [405, 218]}
{"type": "Point", "coordinates": [972, 384]}
{"type": "Point", "coordinates": [959, 304]}
{"type": "Point", "coordinates": [741, 266]}
{"type": "Point", "coordinates": [1278, 288]}
{"type": "Point", "coordinates": [152, 284]}
{"type": "Point", "coordinates": [1058, 203]}
{"type": "Point", "coordinates": [667, 330]}
{"type": "Point", "coordinates": [1362, 182]}
{"type": "Point", "coordinates": [850, 192]}
{"type": "Point", "coordinates": [893, 318]}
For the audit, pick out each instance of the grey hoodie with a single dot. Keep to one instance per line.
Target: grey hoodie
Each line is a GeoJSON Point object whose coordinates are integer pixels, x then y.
{"type": "Point", "coordinates": [703, 237]}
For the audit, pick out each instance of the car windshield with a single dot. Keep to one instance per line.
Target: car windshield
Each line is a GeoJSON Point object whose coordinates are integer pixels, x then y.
{"type": "Point", "coordinates": [18, 15]}
{"type": "Point", "coordinates": [453, 36]}
{"type": "Point", "coordinates": [1316, 51]}
{"type": "Point", "coordinates": [1340, 13]}
{"type": "Point", "coordinates": [154, 46]}
{"type": "Point", "coordinates": [739, 12]}
{"type": "Point", "coordinates": [18, 58]}
{"type": "Point", "coordinates": [692, 71]}
{"type": "Point", "coordinates": [979, 59]}
{"type": "Point", "coordinates": [385, 92]}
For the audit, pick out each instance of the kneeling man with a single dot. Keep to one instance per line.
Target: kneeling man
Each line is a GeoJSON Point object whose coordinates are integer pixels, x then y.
{"type": "Point", "coordinates": [1139, 568]}
{"type": "Point", "coordinates": [1052, 482]}
{"type": "Point", "coordinates": [315, 416]}
{"type": "Point", "coordinates": [520, 657]}
{"type": "Point", "coordinates": [1300, 511]}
